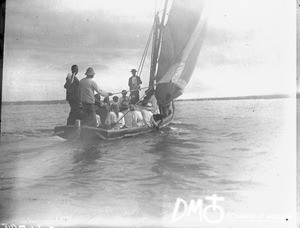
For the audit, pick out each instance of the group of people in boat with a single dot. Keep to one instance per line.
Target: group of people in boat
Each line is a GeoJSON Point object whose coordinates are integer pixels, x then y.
{"type": "Point", "coordinates": [120, 112]}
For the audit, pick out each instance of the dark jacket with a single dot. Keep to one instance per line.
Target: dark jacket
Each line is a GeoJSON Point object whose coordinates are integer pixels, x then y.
{"type": "Point", "coordinates": [139, 81]}
{"type": "Point", "coordinates": [72, 93]}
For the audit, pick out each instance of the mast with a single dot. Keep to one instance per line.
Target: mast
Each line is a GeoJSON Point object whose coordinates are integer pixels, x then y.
{"type": "Point", "coordinates": [157, 37]}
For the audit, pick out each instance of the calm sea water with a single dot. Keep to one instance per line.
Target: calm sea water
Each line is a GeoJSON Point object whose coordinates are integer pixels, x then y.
{"type": "Point", "coordinates": [242, 150]}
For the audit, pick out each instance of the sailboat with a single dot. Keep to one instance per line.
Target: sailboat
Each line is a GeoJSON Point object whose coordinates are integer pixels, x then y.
{"type": "Point", "coordinates": [177, 36]}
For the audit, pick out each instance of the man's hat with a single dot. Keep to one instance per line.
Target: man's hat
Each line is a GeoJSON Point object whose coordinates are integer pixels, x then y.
{"type": "Point", "coordinates": [133, 70]}
{"type": "Point", "coordinates": [90, 71]}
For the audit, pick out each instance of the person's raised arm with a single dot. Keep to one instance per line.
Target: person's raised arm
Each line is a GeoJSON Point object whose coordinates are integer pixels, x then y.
{"type": "Point", "coordinates": [68, 80]}
{"type": "Point", "coordinates": [100, 91]}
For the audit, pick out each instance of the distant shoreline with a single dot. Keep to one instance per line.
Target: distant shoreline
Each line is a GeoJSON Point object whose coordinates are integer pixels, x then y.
{"type": "Point", "coordinates": [34, 102]}
{"type": "Point", "coordinates": [178, 100]}
{"type": "Point", "coordinates": [277, 96]}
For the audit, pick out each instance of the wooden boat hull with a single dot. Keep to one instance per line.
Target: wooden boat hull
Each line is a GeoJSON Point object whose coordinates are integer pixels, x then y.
{"type": "Point", "coordinates": [72, 132]}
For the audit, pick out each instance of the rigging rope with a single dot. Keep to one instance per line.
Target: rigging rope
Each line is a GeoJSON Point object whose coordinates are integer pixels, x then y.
{"type": "Point", "coordinates": [145, 52]}
{"type": "Point", "coordinates": [134, 89]}
{"type": "Point", "coordinates": [155, 9]}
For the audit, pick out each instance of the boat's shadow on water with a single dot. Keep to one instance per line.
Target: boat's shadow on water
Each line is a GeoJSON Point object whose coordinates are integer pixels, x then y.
{"type": "Point", "coordinates": [87, 153]}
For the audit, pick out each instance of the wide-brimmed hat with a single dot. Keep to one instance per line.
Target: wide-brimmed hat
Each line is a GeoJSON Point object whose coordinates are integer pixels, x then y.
{"type": "Point", "coordinates": [90, 71]}
{"type": "Point", "coordinates": [133, 70]}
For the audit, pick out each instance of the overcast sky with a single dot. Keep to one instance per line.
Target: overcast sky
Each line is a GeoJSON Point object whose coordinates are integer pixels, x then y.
{"type": "Point", "coordinates": [249, 48]}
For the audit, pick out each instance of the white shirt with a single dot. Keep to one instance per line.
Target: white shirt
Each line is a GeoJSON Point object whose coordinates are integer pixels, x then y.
{"type": "Point", "coordinates": [147, 115]}
{"type": "Point", "coordinates": [134, 81]}
{"type": "Point", "coordinates": [112, 118]}
{"type": "Point", "coordinates": [139, 117]}
{"type": "Point", "coordinates": [98, 120]}
{"type": "Point", "coordinates": [153, 101]}
{"type": "Point", "coordinates": [130, 119]}
{"type": "Point", "coordinates": [71, 77]}
{"type": "Point", "coordinates": [87, 87]}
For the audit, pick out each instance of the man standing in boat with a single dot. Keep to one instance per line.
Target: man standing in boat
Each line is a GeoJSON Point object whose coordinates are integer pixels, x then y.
{"type": "Point", "coordinates": [87, 86]}
{"type": "Point", "coordinates": [134, 83]}
{"type": "Point", "coordinates": [72, 95]}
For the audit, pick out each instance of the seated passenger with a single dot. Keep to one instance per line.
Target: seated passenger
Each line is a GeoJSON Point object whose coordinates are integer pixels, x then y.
{"type": "Point", "coordinates": [114, 119]}
{"type": "Point", "coordinates": [106, 102]}
{"type": "Point", "coordinates": [100, 109]}
{"type": "Point", "coordinates": [133, 99]}
{"type": "Point", "coordinates": [98, 120]}
{"type": "Point", "coordinates": [115, 100]}
{"type": "Point", "coordinates": [124, 97]}
{"type": "Point", "coordinates": [138, 115]}
{"type": "Point", "coordinates": [124, 106]}
{"type": "Point", "coordinates": [129, 116]}
{"type": "Point", "coordinates": [150, 98]}
{"type": "Point", "coordinates": [153, 101]}
{"type": "Point", "coordinates": [148, 115]}
{"type": "Point", "coordinates": [98, 102]}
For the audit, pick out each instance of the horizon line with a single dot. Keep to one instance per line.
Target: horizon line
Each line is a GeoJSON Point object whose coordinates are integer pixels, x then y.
{"type": "Point", "coordinates": [269, 96]}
